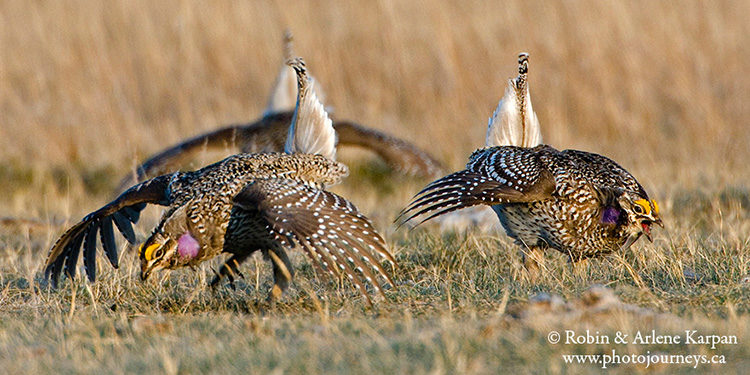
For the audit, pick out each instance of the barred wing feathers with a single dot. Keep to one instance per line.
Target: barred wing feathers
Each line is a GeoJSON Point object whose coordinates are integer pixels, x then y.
{"type": "Point", "coordinates": [336, 236]}
{"type": "Point", "coordinates": [493, 176]}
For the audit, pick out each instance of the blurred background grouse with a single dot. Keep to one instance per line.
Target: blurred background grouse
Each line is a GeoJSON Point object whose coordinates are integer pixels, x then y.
{"type": "Point", "coordinates": [267, 134]}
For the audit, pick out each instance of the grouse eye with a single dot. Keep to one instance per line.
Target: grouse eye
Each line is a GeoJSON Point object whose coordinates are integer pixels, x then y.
{"type": "Point", "coordinates": [158, 253]}
{"type": "Point", "coordinates": [638, 209]}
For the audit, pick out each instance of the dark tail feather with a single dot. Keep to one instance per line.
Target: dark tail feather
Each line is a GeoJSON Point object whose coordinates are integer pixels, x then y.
{"type": "Point", "coordinates": [60, 252]}
{"type": "Point", "coordinates": [458, 190]}
{"type": "Point", "coordinates": [89, 254]}
{"type": "Point", "coordinates": [124, 226]}
{"type": "Point", "coordinates": [107, 235]}
{"type": "Point", "coordinates": [72, 257]}
{"type": "Point", "coordinates": [441, 207]}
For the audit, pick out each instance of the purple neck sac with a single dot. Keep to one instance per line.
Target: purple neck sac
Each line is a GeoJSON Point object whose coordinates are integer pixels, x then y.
{"type": "Point", "coordinates": [187, 246]}
{"type": "Point", "coordinates": [610, 215]}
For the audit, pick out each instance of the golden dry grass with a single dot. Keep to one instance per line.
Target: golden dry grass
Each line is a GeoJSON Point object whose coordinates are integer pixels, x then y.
{"type": "Point", "coordinates": [89, 89]}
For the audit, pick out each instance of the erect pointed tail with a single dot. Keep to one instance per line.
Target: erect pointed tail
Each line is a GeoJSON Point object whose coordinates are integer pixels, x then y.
{"type": "Point", "coordinates": [311, 131]}
{"type": "Point", "coordinates": [514, 122]}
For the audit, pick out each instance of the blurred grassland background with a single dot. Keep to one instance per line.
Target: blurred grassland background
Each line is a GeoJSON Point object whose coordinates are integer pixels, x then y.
{"type": "Point", "coordinates": [88, 89]}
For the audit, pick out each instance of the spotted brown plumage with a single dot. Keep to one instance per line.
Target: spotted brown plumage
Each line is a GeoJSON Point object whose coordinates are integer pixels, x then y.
{"type": "Point", "coordinates": [243, 204]}
{"type": "Point", "coordinates": [267, 202]}
{"type": "Point", "coordinates": [579, 203]}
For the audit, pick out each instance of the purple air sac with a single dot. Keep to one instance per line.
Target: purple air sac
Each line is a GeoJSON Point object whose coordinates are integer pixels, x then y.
{"type": "Point", "coordinates": [187, 246]}
{"type": "Point", "coordinates": [610, 215]}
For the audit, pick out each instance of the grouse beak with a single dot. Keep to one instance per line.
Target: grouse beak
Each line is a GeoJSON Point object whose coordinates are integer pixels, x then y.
{"type": "Point", "coordinates": [647, 231]}
{"type": "Point", "coordinates": [146, 271]}
{"type": "Point", "coordinates": [646, 225]}
{"type": "Point", "coordinates": [659, 222]}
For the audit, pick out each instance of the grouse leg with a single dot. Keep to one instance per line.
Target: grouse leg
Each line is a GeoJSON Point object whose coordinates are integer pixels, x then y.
{"type": "Point", "coordinates": [282, 273]}
{"type": "Point", "coordinates": [229, 269]}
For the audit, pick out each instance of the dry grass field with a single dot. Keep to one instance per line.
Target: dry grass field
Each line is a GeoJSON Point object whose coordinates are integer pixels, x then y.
{"type": "Point", "coordinates": [88, 89]}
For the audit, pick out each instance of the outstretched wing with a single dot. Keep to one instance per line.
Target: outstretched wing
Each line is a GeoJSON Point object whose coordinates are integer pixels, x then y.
{"type": "Point", "coordinates": [336, 236]}
{"type": "Point", "coordinates": [397, 153]}
{"type": "Point", "coordinates": [493, 176]}
{"type": "Point", "coordinates": [122, 212]}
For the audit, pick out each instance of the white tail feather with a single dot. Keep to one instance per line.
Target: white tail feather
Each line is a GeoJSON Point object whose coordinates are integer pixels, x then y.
{"type": "Point", "coordinates": [311, 131]}
{"type": "Point", "coordinates": [284, 93]}
{"type": "Point", "coordinates": [514, 122]}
